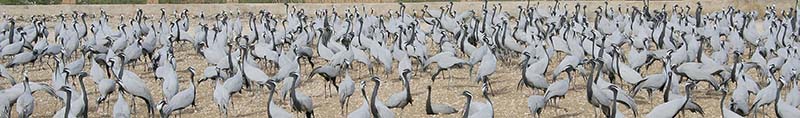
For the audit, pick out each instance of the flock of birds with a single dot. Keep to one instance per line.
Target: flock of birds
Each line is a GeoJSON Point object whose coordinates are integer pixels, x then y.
{"type": "Point", "coordinates": [691, 47]}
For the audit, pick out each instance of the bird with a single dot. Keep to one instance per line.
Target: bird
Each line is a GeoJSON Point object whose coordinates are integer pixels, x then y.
{"type": "Point", "coordinates": [445, 61]}
{"type": "Point", "coordinates": [274, 110]}
{"type": "Point", "coordinates": [782, 109]}
{"type": "Point", "coordinates": [22, 59]}
{"type": "Point", "coordinates": [181, 100]}
{"type": "Point", "coordinates": [436, 108]}
{"type": "Point", "coordinates": [477, 109]}
{"type": "Point", "coordinates": [558, 89]}
{"type": "Point", "coordinates": [671, 108]}
{"type": "Point", "coordinates": [486, 68]}
{"type": "Point", "coordinates": [377, 108]}
{"type": "Point", "coordinates": [81, 103]}
{"type": "Point", "coordinates": [300, 102]}
{"type": "Point", "coordinates": [765, 96]}
{"type": "Point", "coordinates": [530, 77]}
{"type": "Point", "coordinates": [77, 65]}
{"type": "Point", "coordinates": [222, 97]}
{"type": "Point", "coordinates": [11, 94]}
{"type": "Point", "coordinates": [105, 85]}
{"type": "Point", "coordinates": [132, 84]}
{"type": "Point", "coordinates": [4, 73]}
{"type": "Point", "coordinates": [329, 73]}
{"type": "Point", "coordinates": [25, 102]}
{"type": "Point", "coordinates": [364, 111]}
{"type": "Point", "coordinates": [493, 38]}
{"type": "Point", "coordinates": [726, 112]}
{"type": "Point", "coordinates": [67, 104]}
{"type": "Point", "coordinates": [251, 72]}
{"type": "Point", "coordinates": [535, 104]}
{"type": "Point", "coordinates": [699, 72]}
{"type": "Point", "coordinates": [402, 98]}
{"type": "Point", "coordinates": [169, 85]}
{"type": "Point", "coordinates": [121, 107]}
{"type": "Point", "coordinates": [346, 89]}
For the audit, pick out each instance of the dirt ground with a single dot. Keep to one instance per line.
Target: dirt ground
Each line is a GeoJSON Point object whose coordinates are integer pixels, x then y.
{"type": "Point", "coordinates": [509, 101]}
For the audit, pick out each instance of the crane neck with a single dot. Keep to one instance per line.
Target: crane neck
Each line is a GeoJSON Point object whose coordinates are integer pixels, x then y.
{"type": "Point", "coordinates": [83, 96]}
{"type": "Point", "coordinates": [68, 104]}
{"type": "Point", "coordinates": [428, 101]}
{"type": "Point", "coordinates": [406, 85]}
{"type": "Point", "coordinates": [486, 96]}
{"type": "Point", "coordinates": [667, 87]}
{"type": "Point", "coordinates": [778, 96]}
{"type": "Point", "coordinates": [722, 101]}
{"type": "Point", "coordinates": [191, 77]}
{"type": "Point", "coordinates": [614, 104]}
{"type": "Point", "coordinates": [466, 107]}
{"type": "Point", "coordinates": [269, 101]}
{"type": "Point", "coordinates": [372, 106]}
{"type": "Point", "coordinates": [364, 94]}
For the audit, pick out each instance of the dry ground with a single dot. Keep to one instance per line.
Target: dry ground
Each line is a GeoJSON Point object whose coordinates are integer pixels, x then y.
{"type": "Point", "coordinates": [509, 101]}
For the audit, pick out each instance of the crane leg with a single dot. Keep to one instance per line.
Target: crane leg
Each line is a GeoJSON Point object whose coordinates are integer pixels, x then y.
{"type": "Point", "coordinates": [133, 100]}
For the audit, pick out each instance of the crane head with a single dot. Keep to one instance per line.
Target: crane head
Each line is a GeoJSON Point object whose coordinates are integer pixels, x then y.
{"type": "Point", "coordinates": [160, 106]}
{"type": "Point", "coordinates": [191, 70]}
{"type": "Point", "coordinates": [271, 84]}
{"type": "Point", "coordinates": [781, 82]}
{"type": "Point", "coordinates": [294, 74]}
{"type": "Point", "coordinates": [67, 89]}
{"type": "Point", "coordinates": [613, 88]}
{"type": "Point", "coordinates": [466, 94]}
{"type": "Point", "coordinates": [691, 84]}
{"type": "Point", "coordinates": [723, 89]}
{"type": "Point", "coordinates": [376, 79]}
{"type": "Point", "coordinates": [772, 68]}
{"type": "Point", "coordinates": [25, 75]}
{"type": "Point", "coordinates": [363, 84]}
{"type": "Point", "coordinates": [82, 74]}
{"type": "Point", "coordinates": [67, 71]}
{"type": "Point", "coordinates": [406, 72]}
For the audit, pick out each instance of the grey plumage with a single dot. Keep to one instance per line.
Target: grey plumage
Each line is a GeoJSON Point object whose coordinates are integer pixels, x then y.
{"type": "Point", "coordinates": [402, 98]}
{"type": "Point", "coordinates": [377, 108]}
{"type": "Point", "coordinates": [274, 111]}
{"type": "Point", "coordinates": [437, 108]}
{"type": "Point", "coordinates": [300, 102]}
{"type": "Point", "coordinates": [132, 84]}
{"type": "Point", "coordinates": [535, 104]}
{"type": "Point", "coordinates": [25, 102]}
{"type": "Point", "coordinates": [181, 100]}
{"type": "Point", "coordinates": [346, 89]}
{"type": "Point", "coordinates": [364, 110]}
{"type": "Point", "coordinates": [671, 108]}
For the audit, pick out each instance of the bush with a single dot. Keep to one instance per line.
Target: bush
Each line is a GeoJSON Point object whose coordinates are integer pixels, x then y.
{"type": "Point", "coordinates": [270, 1]}
{"type": "Point", "coordinates": [29, 2]}
{"type": "Point", "coordinates": [190, 1]}
{"type": "Point", "coordinates": [110, 1]}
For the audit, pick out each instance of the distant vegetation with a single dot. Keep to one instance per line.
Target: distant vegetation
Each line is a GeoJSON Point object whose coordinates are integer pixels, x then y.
{"type": "Point", "coordinates": [27, 2]}
{"type": "Point", "coordinates": [110, 1]}
{"type": "Point", "coordinates": [49, 2]}
{"type": "Point", "coordinates": [270, 1]}
{"type": "Point", "coordinates": [190, 1]}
